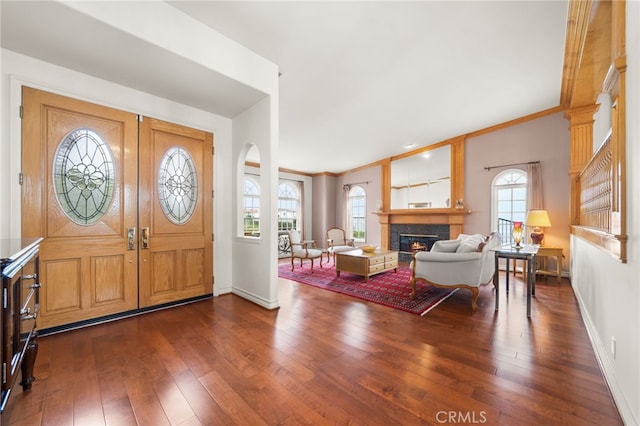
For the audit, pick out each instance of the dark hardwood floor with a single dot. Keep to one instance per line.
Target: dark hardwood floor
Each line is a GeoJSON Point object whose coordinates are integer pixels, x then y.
{"type": "Point", "coordinates": [325, 358]}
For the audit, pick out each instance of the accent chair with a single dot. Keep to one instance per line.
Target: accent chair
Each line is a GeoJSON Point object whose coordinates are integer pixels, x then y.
{"type": "Point", "coordinates": [337, 242]}
{"type": "Point", "coordinates": [303, 249]}
{"type": "Point", "coordinates": [466, 262]}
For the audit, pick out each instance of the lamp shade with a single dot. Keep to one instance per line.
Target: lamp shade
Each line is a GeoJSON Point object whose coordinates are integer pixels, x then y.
{"type": "Point", "coordinates": [537, 217]}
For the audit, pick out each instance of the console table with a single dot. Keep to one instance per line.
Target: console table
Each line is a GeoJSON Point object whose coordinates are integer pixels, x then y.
{"type": "Point", "coordinates": [20, 266]}
{"type": "Point", "coordinates": [366, 264]}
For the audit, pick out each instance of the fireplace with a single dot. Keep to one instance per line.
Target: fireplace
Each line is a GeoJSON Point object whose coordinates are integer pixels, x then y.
{"type": "Point", "coordinates": [407, 239]}
{"type": "Point", "coordinates": [445, 223]}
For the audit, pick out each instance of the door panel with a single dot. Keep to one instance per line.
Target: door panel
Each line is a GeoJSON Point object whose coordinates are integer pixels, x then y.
{"type": "Point", "coordinates": [107, 280]}
{"type": "Point", "coordinates": [79, 192]}
{"type": "Point", "coordinates": [176, 204]}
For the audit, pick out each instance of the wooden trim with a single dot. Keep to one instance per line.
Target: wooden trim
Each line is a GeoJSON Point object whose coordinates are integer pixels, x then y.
{"type": "Point", "coordinates": [447, 216]}
{"type": "Point", "coordinates": [386, 185]}
{"type": "Point", "coordinates": [577, 26]}
{"type": "Point", "coordinates": [366, 166]}
{"type": "Point", "coordinates": [516, 121]}
{"type": "Point", "coordinates": [423, 149]}
{"type": "Point", "coordinates": [283, 170]}
{"type": "Point", "coordinates": [457, 173]}
{"type": "Point", "coordinates": [295, 172]}
{"type": "Point", "coordinates": [330, 174]}
{"type": "Point", "coordinates": [615, 245]}
{"type": "Point", "coordinates": [464, 137]}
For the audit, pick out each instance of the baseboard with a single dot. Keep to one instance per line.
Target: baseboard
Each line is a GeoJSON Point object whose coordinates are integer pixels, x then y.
{"type": "Point", "coordinates": [255, 298]}
{"type": "Point", "coordinates": [607, 369]}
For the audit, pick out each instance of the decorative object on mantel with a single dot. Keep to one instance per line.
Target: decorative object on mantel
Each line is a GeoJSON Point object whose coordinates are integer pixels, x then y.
{"type": "Point", "coordinates": [539, 219]}
{"type": "Point", "coordinates": [517, 234]}
{"type": "Point", "coordinates": [379, 205]}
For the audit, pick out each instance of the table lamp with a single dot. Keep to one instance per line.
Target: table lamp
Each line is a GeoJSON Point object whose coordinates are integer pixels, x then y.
{"type": "Point", "coordinates": [537, 218]}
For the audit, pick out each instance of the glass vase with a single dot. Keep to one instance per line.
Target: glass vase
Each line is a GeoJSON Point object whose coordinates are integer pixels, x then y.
{"type": "Point", "coordinates": [517, 233]}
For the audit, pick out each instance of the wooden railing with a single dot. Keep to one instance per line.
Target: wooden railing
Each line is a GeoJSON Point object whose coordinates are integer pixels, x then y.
{"type": "Point", "coordinates": [596, 183]}
{"type": "Point", "coordinates": [601, 187]}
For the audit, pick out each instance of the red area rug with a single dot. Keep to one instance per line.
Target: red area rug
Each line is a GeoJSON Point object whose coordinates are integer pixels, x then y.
{"type": "Point", "coordinates": [389, 288]}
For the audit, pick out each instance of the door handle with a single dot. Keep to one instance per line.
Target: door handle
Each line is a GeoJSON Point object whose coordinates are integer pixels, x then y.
{"type": "Point", "coordinates": [131, 238]}
{"type": "Point", "coordinates": [144, 237]}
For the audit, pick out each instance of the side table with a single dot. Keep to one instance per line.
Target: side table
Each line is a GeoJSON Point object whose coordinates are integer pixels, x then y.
{"type": "Point", "coordinates": [543, 254]}
{"type": "Point", "coordinates": [526, 253]}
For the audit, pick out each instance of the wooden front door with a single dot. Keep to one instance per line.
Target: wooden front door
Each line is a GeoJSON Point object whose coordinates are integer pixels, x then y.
{"type": "Point", "coordinates": [176, 221]}
{"type": "Point", "coordinates": [81, 192]}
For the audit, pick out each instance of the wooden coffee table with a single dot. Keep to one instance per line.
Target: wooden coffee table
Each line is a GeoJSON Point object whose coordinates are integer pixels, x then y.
{"type": "Point", "coordinates": [366, 264]}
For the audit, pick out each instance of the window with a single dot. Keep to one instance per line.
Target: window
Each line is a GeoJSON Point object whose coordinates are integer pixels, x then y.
{"type": "Point", "coordinates": [357, 203]}
{"type": "Point", "coordinates": [177, 185]}
{"type": "Point", "coordinates": [84, 176]}
{"type": "Point", "coordinates": [509, 198]}
{"type": "Point", "coordinates": [251, 205]}
{"type": "Point", "coordinates": [288, 206]}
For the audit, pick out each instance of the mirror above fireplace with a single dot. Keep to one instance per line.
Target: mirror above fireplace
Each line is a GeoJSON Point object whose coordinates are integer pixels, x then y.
{"type": "Point", "coordinates": [423, 180]}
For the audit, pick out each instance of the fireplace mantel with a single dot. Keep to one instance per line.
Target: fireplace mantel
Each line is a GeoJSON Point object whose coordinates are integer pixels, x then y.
{"type": "Point", "coordinates": [447, 216]}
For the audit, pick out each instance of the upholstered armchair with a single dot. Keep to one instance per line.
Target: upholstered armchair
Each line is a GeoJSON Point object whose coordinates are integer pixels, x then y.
{"type": "Point", "coordinates": [466, 262]}
{"type": "Point", "coordinates": [303, 249]}
{"type": "Point", "coordinates": [337, 242]}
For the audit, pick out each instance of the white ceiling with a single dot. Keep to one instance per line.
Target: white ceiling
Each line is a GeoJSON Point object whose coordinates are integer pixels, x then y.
{"type": "Point", "coordinates": [360, 80]}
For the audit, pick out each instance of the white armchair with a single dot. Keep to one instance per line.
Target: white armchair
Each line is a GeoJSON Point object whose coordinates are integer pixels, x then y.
{"type": "Point", "coordinates": [466, 262]}
{"type": "Point", "coordinates": [337, 242]}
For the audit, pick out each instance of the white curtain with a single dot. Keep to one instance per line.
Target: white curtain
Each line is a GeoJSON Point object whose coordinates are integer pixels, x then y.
{"type": "Point", "coordinates": [346, 223]}
{"type": "Point", "coordinates": [300, 188]}
{"type": "Point", "coordinates": [535, 199]}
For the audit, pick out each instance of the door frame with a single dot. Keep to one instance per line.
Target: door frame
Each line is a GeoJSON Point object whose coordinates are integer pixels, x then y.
{"type": "Point", "coordinates": [17, 85]}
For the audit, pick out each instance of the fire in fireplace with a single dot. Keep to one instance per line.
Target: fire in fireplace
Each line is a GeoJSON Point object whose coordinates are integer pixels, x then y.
{"type": "Point", "coordinates": [416, 246]}
{"type": "Point", "coordinates": [412, 243]}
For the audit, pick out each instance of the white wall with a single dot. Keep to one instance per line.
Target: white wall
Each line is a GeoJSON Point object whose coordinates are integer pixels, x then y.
{"type": "Point", "coordinates": [324, 207]}
{"type": "Point", "coordinates": [609, 291]}
{"type": "Point", "coordinates": [177, 32]}
{"type": "Point", "coordinates": [372, 175]}
{"type": "Point", "coordinates": [545, 139]}
{"type": "Point", "coordinates": [254, 260]}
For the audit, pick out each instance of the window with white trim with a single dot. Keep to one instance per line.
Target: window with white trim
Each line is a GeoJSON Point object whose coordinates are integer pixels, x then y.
{"type": "Point", "coordinates": [509, 197]}
{"type": "Point", "coordinates": [289, 214]}
{"type": "Point", "coordinates": [251, 207]}
{"type": "Point", "coordinates": [357, 203]}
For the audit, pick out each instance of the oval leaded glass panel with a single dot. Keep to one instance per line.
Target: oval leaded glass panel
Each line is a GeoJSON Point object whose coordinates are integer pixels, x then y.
{"type": "Point", "coordinates": [177, 185]}
{"type": "Point", "coordinates": [84, 176]}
